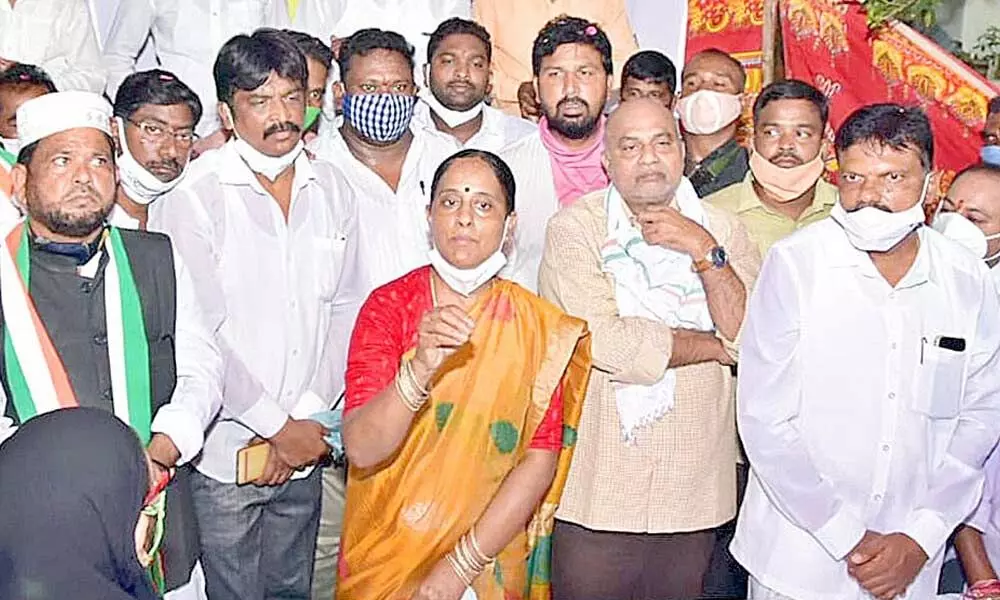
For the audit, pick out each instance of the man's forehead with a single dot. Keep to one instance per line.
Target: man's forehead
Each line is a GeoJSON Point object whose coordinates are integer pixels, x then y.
{"type": "Point", "coordinates": [710, 64]}
{"type": "Point", "coordinates": [573, 54]}
{"type": "Point", "coordinates": [978, 188]}
{"type": "Point", "coordinates": [178, 115]}
{"type": "Point", "coordinates": [461, 42]}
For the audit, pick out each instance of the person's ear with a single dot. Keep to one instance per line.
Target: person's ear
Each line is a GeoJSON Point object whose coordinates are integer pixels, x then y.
{"type": "Point", "coordinates": [507, 244]}
{"type": "Point", "coordinates": [116, 135]}
{"type": "Point", "coordinates": [339, 91]}
{"type": "Point", "coordinates": [226, 116]}
{"type": "Point", "coordinates": [19, 178]}
{"type": "Point", "coordinates": [605, 161]}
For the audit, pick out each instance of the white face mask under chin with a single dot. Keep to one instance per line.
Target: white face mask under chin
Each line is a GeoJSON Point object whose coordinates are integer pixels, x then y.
{"type": "Point", "coordinates": [452, 118]}
{"type": "Point", "coordinates": [466, 281]}
{"type": "Point", "coordinates": [139, 184]}
{"type": "Point", "coordinates": [871, 229]}
{"type": "Point", "coordinates": [262, 164]}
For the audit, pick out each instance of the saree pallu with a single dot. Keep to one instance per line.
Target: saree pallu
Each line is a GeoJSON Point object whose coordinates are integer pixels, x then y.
{"type": "Point", "coordinates": [485, 405]}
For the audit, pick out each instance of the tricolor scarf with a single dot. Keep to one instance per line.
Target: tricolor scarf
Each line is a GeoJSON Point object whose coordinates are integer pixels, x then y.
{"type": "Point", "coordinates": [575, 172]}
{"type": "Point", "coordinates": [36, 375]}
{"type": "Point", "coordinates": [654, 283]}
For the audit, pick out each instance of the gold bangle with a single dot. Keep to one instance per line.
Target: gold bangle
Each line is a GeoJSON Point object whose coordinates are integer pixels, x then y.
{"type": "Point", "coordinates": [457, 568]}
{"type": "Point", "coordinates": [477, 551]}
{"type": "Point", "coordinates": [410, 400]}
{"type": "Point", "coordinates": [407, 367]}
{"type": "Point", "coordinates": [464, 553]}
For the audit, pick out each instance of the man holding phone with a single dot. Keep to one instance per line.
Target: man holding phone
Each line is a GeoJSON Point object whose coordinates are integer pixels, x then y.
{"type": "Point", "coordinates": [868, 389]}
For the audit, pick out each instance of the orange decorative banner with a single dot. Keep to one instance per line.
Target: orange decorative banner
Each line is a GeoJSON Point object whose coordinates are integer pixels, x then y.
{"type": "Point", "coordinates": [733, 26]}
{"type": "Point", "coordinates": [828, 44]}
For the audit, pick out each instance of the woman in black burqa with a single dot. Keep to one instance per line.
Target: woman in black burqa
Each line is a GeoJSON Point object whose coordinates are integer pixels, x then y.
{"type": "Point", "coordinates": [72, 484]}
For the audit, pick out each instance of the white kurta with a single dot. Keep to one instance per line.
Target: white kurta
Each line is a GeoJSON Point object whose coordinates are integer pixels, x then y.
{"type": "Point", "coordinates": [852, 414]}
{"type": "Point", "coordinates": [537, 201]}
{"type": "Point", "coordinates": [498, 130]}
{"type": "Point", "coordinates": [56, 36]}
{"type": "Point", "coordinates": [281, 289]}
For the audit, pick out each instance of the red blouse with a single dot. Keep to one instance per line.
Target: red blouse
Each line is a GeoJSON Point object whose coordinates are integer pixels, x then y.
{"type": "Point", "coordinates": [387, 328]}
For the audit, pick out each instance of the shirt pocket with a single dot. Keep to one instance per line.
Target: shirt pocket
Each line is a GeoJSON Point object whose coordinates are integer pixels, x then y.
{"type": "Point", "coordinates": [941, 382]}
{"type": "Point", "coordinates": [329, 252]}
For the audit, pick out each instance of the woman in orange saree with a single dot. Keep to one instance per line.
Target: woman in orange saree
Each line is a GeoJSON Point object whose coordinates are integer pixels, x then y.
{"type": "Point", "coordinates": [463, 396]}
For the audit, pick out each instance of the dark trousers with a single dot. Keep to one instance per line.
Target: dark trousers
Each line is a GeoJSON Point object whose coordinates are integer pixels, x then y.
{"type": "Point", "coordinates": [257, 542]}
{"type": "Point", "coordinates": [596, 565]}
{"type": "Point", "coordinates": [725, 577]}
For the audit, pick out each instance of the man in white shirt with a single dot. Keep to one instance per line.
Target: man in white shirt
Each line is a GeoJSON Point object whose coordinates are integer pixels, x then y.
{"type": "Point", "coordinates": [970, 215]}
{"type": "Point", "coordinates": [868, 390]}
{"type": "Point", "coordinates": [554, 167]}
{"type": "Point", "coordinates": [271, 238]}
{"type": "Point", "coordinates": [458, 79]}
{"type": "Point", "coordinates": [187, 35]}
{"type": "Point", "coordinates": [55, 35]}
{"type": "Point", "coordinates": [386, 161]}
{"type": "Point", "coordinates": [155, 117]}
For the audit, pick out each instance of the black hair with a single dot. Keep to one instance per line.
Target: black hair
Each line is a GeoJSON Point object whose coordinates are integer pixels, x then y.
{"type": "Point", "coordinates": [994, 106]}
{"type": "Point", "coordinates": [311, 47]}
{"type": "Point", "coordinates": [499, 167]}
{"type": "Point", "coordinates": [158, 87]}
{"type": "Point", "coordinates": [651, 66]}
{"type": "Point", "coordinates": [570, 30]}
{"type": "Point", "coordinates": [28, 152]}
{"type": "Point", "coordinates": [727, 57]}
{"type": "Point", "coordinates": [364, 41]}
{"type": "Point", "coordinates": [246, 61]}
{"type": "Point", "coordinates": [23, 74]}
{"type": "Point", "coordinates": [455, 26]}
{"type": "Point", "coordinates": [792, 89]}
{"type": "Point", "coordinates": [891, 125]}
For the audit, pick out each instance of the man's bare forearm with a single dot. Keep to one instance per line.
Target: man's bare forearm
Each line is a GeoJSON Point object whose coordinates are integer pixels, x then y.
{"type": "Point", "coordinates": [727, 299]}
{"type": "Point", "coordinates": [693, 347]}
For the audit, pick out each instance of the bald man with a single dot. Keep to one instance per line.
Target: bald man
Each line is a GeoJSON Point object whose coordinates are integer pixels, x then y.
{"type": "Point", "coordinates": [662, 280]}
{"type": "Point", "coordinates": [710, 106]}
{"type": "Point", "coordinates": [975, 194]}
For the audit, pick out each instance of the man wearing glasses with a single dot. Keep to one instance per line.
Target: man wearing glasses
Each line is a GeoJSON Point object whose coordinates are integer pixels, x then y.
{"type": "Point", "coordinates": [155, 116]}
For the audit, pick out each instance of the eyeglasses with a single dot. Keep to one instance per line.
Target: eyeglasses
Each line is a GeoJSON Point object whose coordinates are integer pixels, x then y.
{"type": "Point", "coordinates": [156, 132]}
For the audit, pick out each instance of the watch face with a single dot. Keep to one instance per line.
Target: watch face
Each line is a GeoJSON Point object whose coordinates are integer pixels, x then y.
{"type": "Point", "coordinates": [718, 257]}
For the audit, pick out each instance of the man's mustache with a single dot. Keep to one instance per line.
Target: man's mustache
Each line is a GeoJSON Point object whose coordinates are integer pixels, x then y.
{"type": "Point", "coordinates": [789, 154]}
{"type": "Point", "coordinates": [171, 163]}
{"type": "Point", "coordinates": [280, 128]}
{"type": "Point", "coordinates": [574, 100]}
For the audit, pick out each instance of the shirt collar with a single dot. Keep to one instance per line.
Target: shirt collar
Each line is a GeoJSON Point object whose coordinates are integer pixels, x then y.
{"type": "Point", "coordinates": [843, 254]}
{"type": "Point", "coordinates": [826, 196]}
{"type": "Point", "coordinates": [233, 170]}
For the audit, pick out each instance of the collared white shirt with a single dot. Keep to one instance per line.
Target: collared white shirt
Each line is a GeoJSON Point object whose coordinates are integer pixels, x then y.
{"type": "Point", "coordinates": [536, 202]}
{"type": "Point", "coordinates": [497, 131]}
{"type": "Point", "coordinates": [187, 35]}
{"type": "Point", "coordinates": [197, 394]}
{"type": "Point", "coordinates": [396, 234]}
{"type": "Point", "coordinates": [285, 292]}
{"type": "Point", "coordinates": [853, 415]}
{"type": "Point", "coordinates": [56, 36]}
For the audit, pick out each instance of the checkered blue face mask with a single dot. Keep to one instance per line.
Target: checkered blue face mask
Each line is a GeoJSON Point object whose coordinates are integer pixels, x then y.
{"type": "Point", "coordinates": [381, 118]}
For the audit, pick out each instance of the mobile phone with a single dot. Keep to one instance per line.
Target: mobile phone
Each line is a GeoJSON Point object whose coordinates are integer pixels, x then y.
{"type": "Point", "coordinates": [250, 462]}
{"type": "Point", "coordinates": [950, 343]}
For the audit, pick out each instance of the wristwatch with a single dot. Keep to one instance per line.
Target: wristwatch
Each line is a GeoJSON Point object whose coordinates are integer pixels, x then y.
{"type": "Point", "coordinates": [715, 259]}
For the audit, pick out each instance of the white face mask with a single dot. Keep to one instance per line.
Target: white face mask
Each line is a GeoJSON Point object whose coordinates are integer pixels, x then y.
{"type": "Point", "coordinates": [452, 118]}
{"type": "Point", "coordinates": [10, 145]}
{"type": "Point", "coordinates": [139, 184]}
{"type": "Point", "coordinates": [260, 163]}
{"type": "Point", "coordinates": [466, 281]}
{"type": "Point", "coordinates": [870, 229]}
{"type": "Point", "coordinates": [957, 228]}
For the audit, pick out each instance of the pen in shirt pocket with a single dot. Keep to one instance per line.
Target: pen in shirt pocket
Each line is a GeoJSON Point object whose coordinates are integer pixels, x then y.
{"type": "Point", "coordinates": [423, 189]}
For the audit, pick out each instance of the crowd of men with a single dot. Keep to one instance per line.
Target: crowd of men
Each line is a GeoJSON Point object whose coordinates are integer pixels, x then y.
{"type": "Point", "coordinates": [192, 255]}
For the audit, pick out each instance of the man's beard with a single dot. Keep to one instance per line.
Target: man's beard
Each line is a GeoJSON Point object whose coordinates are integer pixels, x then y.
{"type": "Point", "coordinates": [577, 129]}
{"type": "Point", "coordinates": [60, 222]}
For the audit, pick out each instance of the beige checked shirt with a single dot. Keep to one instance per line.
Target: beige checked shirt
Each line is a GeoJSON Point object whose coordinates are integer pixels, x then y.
{"type": "Point", "coordinates": [680, 475]}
